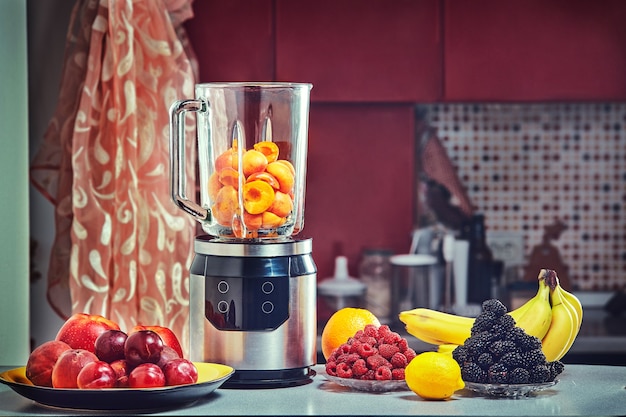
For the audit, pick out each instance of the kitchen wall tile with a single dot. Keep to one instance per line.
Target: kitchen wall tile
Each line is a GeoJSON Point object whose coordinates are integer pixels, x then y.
{"type": "Point", "coordinates": [527, 166]}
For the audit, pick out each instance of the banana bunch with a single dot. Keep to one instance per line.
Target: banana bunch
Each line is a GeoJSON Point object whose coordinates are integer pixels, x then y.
{"type": "Point", "coordinates": [553, 315]}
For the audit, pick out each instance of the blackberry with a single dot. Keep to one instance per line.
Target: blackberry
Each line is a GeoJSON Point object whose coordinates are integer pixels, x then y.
{"type": "Point", "coordinates": [507, 322]}
{"type": "Point", "coordinates": [497, 374]}
{"type": "Point", "coordinates": [483, 322]}
{"type": "Point", "coordinates": [519, 376]}
{"type": "Point", "coordinates": [495, 306]}
{"type": "Point", "coordinates": [500, 347]}
{"type": "Point", "coordinates": [539, 373]}
{"type": "Point", "coordinates": [485, 360]}
{"type": "Point", "coordinates": [533, 357]}
{"type": "Point", "coordinates": [556, 368]}
{"type": "Point", "coordinates": [477, 344]}
{"type": "Point", "coordinates": [460, 355]}
{"type": "Point", "coordinates": [471, 372]}
{"type": "Point", "coordinates": [528, 343]}
{"type": "Point", "coordinates": [512, 360]}
{"type": "Point", "coordinates": [515, 334]}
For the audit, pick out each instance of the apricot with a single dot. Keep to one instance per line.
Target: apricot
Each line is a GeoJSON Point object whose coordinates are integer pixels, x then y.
{"type": "Point", "coordinates": [258, 196]}
{"type": "Point", "coordinates": [265, 176]}
{"type": "Point", "coordinates": [226, 160]}
{"type": "Point", "coordinates": [214, 185]}
{"type": "Point", "coordinates": [271, 221]}
{"type": "Point", "coordinates": [253, 161]}
{"type": "Point", "coordinates": [252, 221]}
{"type": "Point", "coordinates": [229, 176]}
{"type": "Point", "coordinates": [282, 205]}
{"type": "Point", "coordinates": [289, 165]}
{"type": "Point", "coordinates": [226, 205]}
{"type": "Point", "coordinates": [269, 149]}
{"type": "Point", "coordinates": [283, 174]}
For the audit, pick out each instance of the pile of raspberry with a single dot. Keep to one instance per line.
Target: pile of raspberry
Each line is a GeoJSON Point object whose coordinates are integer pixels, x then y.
{"type": "Point", "coordinates": [374, 353]}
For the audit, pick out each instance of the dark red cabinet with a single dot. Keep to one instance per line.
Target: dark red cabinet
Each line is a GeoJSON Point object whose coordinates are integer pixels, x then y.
{"type": "Point", "coordinates": [361, 50]}
{"type": "Point", "coordinates": [534, 50]}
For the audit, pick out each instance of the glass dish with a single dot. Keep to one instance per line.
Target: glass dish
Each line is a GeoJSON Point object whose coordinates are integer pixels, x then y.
{"type": "Point", "coordinates": [210, 377]}
{"type": "Point", "coordinates": [508, 390]}
{"type": "Point", "coordinates": [367, 385]}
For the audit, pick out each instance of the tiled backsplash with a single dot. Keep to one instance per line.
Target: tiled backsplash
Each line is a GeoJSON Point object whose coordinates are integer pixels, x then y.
{"type": "Point", "coordinates": [526, 166]}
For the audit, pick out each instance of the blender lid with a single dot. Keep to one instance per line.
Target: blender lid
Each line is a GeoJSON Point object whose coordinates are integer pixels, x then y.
{"type": "Point", "coordinates": [341, 285]}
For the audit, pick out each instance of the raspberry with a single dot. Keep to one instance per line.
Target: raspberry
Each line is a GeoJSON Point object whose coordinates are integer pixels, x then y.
{"type": "Point", "coordinates": [331, 368]}
{"type": "Point", "coordinates": [398, 360]}
{"type": "Point", "coordinates": [348, 358]}
{"type": "Point", "coordinates": [397, 374]}
{"type": "Point", "coordinates": [383, 373]}
{"type": "Point", "coordinates": [392, 338]}
{"type": "Point", "coordinates": [383, 330]}
{"type": "Point", "coordinates": [354, 346]}
{"type": "Point", "coordinates": [409, 354]}
{"type": "Point", "coordinates": [344, 370]}
{"type": "Point", "coordinates": [370, 375]}
{"type": "Point", "coordinates": [371, 330]}
{"type": "Point", "coordinates": [359, 334]}
{"type": "Point", "coordinates": [359, 368]}
{"type": "Point", "coordinates": [369, 340]}
{"type": "Point", "coordinates": [366, 350]}
{"type": "Point", "coordinates": [376, 361]}
{"type": "Point", "coordinates": [344, 348]}
{"type": "Point", "coordinates": [387, 350]}
{"type": "Point", "coordinates": [403, 345]}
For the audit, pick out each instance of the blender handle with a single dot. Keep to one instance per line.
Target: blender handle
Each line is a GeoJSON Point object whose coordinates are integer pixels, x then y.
{"type": "Point", "coordinates": [177, 157]}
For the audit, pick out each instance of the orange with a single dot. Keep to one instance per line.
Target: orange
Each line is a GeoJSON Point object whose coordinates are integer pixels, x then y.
{"type": "Point", "coordinates": [344, 324]}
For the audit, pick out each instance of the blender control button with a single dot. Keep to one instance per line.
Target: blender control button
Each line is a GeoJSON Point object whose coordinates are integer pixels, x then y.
{"type": "Point", "coordinates": [222, 306]}
{"type": "Point", "coordinates": [267, 287]}
{"type": "Point", "coordinates": [267, 307]}
{"type": "Point", "coordinates": [222, 287]}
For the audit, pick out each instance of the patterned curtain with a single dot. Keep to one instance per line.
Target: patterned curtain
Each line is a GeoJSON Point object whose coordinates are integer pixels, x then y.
{"type": "Point", "coordinates": [121, 247]}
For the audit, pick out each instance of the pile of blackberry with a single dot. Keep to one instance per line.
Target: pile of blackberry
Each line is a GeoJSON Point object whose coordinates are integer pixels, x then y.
{"type": "Point", "coordinates": [498, 352]}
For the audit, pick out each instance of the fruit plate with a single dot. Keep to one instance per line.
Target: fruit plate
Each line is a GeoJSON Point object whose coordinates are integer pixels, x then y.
{"type": "Point", "coordinates": [210, 377]}
{"type": "Point", "coordinates": [367, 385]}
{"type": "Point", "coordinates": [508, 390]}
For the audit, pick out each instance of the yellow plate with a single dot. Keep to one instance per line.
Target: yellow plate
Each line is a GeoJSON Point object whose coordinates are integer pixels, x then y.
{"type": "Point", "coordinates": [210, 377]}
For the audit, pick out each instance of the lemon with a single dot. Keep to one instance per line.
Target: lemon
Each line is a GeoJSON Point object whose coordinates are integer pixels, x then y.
{"type": "Point", "coordinates": [433, 376]}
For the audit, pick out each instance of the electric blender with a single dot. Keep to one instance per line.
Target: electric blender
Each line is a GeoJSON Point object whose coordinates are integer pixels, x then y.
{"type": "Point", "coordinates": [252, 287]}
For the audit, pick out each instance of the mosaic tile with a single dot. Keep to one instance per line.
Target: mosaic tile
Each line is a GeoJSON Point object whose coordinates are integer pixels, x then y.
{"type": "Point", "coordinates": [527, 165]}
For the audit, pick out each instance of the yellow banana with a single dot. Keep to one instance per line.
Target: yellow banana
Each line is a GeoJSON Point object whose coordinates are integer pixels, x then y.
{"type": "Point", "coordinates": [562, 331]}
{"type": "Point", "coordinates": [438, 328]}
{"type": "Point", "coordinates": [536, 318]}
{"type": "Point", "coordinates": [572, 300]}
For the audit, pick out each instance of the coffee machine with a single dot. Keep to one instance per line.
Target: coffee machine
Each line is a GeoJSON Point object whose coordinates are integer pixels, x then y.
{"type": "Point", "coordinates": [252, 284]}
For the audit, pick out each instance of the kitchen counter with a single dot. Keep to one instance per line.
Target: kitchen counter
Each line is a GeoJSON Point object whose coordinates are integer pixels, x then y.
{"type": "Point", "coordinates": [583, 390]}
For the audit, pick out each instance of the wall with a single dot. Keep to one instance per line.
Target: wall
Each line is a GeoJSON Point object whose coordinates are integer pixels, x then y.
{"type": "Point", "coordinates": [527, 166]}
{"type": "Point", "coordinates": [14, 316]}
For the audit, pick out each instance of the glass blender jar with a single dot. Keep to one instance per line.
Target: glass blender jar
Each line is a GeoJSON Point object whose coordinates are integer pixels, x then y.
{"type": "Point", "coordinates": [252, 286]}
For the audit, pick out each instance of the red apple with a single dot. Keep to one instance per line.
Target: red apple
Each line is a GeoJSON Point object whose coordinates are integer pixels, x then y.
{"type": "Point", "coordinates": [167, 335]}
{"type": "Point", "coordinates": [96, 375]}
{"type": "Point", "coordinates": [41, 362]}
{"type": "Point", "coordinates": [69, 365]}
{"type": "Point", "coordinates": [81, 330]}
{"type": "Point", "coordinates": [180, 372]}
{"type": "Point", "coordinates": [146, 375]}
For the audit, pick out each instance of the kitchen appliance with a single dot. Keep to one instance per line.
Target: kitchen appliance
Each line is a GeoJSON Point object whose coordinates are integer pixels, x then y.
{"type": "Point", "coordinates": [252, 285]}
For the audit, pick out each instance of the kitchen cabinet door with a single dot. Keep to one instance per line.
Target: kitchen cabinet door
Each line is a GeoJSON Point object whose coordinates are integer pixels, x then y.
{"type": "Point", "coordinates": [361, 50]}
{"type": "Point", "coordinates": [534, 50]}
{"type": "Point", "coordinates": [233, 40]}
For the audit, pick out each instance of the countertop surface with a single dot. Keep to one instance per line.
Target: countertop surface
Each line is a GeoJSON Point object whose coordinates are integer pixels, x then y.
{"type": "Point", "coordinates": [583, 390]}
